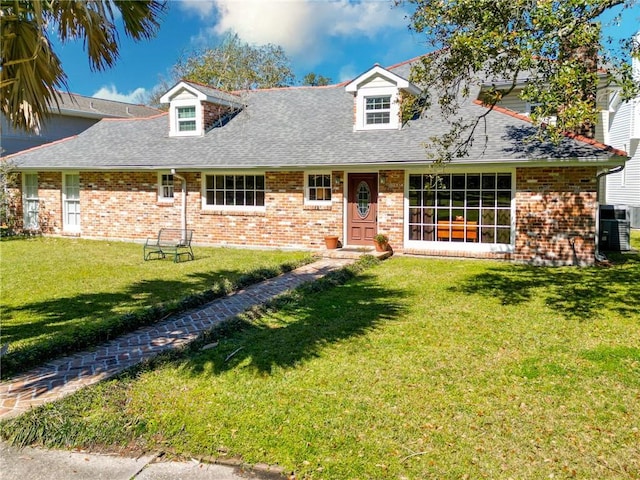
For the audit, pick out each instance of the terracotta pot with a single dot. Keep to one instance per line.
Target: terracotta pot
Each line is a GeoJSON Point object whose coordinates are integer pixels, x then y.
{"type": "Point", "coordinates": [381, 246]}
{"type": "Point", "coordinates": [331, 242]}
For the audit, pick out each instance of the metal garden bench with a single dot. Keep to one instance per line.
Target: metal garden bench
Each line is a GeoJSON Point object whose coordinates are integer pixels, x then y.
{"type": "Point", "coordinates": [170, 241]}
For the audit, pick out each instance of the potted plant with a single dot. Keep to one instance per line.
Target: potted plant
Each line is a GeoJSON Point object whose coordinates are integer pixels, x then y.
{"type": "Point", "coordinates": [331, 241]}
{"type": "Point", "coordinates": [381, 242]}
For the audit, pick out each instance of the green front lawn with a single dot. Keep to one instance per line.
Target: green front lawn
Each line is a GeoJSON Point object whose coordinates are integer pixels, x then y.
{"type": "Point", "coordinates": [62, 295]}
{"type": "Point", "coordinates": [416, 368]}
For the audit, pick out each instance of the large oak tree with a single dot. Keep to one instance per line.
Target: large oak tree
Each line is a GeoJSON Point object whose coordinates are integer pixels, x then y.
{"type": "Point", "coordinates": [556, 45]}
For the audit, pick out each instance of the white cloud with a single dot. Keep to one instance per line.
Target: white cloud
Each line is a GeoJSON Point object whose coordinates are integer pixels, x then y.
{"type": "Point", "coordinates": [347, 72]}
{"type": "Point", "coordinates": [109, 92]}
{"type": "Point", "coordinates": [302, 27]}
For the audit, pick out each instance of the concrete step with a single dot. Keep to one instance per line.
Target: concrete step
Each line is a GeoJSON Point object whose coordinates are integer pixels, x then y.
{"type": "Point", "coordinates": [355, 252]}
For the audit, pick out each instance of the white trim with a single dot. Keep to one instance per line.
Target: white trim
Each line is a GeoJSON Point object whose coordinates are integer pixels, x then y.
{"type": "Point", "coordinates": [230, 208]}
{"type": "Point", "coordinates": [28, 199]}
{"type": "Point", "coordinates": [174, 122]}
{"type": "Point", "coordinates": [444, 246]}
{"type": "Point", "coordinates": [361, 108]}
{"type": "Point", "coordinates": [306, 188]}
{"type": "Point", "coordinates": [66, 226]}
{"type": "Point", "coordinates": [161, 197]}
{"type": "Point", "coordinates": [401, 83]}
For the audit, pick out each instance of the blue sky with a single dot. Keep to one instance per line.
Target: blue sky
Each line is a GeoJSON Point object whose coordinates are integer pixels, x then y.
{"type": "Point", "coordinates": [338, 39]}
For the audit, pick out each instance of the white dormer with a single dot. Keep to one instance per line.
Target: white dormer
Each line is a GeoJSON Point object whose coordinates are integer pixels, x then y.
{"type": "Point", "coordinates": [193, 108]}
{"type": "Point", "coordinates": [377, 99]}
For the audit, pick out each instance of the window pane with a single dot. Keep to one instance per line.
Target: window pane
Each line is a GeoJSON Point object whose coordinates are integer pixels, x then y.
{"type": "Point", "coordinates": [444, 199]}
{"type": "Point", "coordinates": [504, 199]}
{"type": "Point", "coordinates": [504, 235]}
{"type": "Point", "coordinates": [504, 182]}
{"type": "Point", "coordinates": [187, 126]}
{"type": "Point", "coordinates": [378, 118]}
{"type": "Point", "coordinates": [259, 199]}
{"type": "Point", "coordinates": [473, 182]}
{"type": "Point", "coordinates": [414, 198]}
{"type": "Point", "coordinates": [458, 199]}
{"type": "Point", "coordinates": [186, 112]}
{"type": "Point", "coordinates": [504, 217]}
{"type": "Point", "coordinates": [415, 182]}
{"type": "Point", "coordinates": [259, 182]}
{"type": "Point", "coordinates": [488, 199]}
{"type": "Point", "coordinates": [458, 182]}
{"type": "Point", "coordinates": [488, 181]}
{"type": "Point", "coordinates": [219, 181]}
{"type": "Point", "coordinates": [488, 216]}
{"type": "Point", "coordinates": [473, 199]}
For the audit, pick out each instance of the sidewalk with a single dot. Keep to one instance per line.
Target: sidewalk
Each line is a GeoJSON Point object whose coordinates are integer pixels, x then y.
{"type": "Point", "coordinates": [39, 464]}
{"type": "Point", "coordinates": [66, 375]}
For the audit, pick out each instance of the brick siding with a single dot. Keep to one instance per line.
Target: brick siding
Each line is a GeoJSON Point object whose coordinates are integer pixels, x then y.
{"type": "Point", "coordinates": [555, 212]}
{"type": "Point", "coordinates": [556, 215]}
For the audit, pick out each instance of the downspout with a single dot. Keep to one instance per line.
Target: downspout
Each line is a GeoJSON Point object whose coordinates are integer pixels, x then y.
{"type": "Point", "coordinates": [183, 215]}
{"type": "Point", "coordinates": [619, 168]}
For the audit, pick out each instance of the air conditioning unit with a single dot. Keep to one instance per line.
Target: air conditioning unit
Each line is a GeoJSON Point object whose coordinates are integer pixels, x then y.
{"type": "Point", "coordinates": [615, 228]}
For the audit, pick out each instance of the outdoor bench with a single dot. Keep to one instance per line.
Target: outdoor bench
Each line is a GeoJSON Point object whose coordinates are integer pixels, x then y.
{"type": "Point", "coordinates": [170, 241]}
{"type": "Point", "coordinates": [455, 229]}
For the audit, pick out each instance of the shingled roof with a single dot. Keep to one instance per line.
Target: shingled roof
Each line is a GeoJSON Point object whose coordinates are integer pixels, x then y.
{"type": "Point", "coordinates": [298, 128]}
{"type": "Point", "coordinates": [79, 105]}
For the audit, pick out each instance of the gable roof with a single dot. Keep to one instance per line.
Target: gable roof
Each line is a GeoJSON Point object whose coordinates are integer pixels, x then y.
{"type": "Point", "coordinates": [377, 71]}
{"type": "Point", "coordinates": [202, 93]}
{"type": "Point", "coordinates": [296, 128]}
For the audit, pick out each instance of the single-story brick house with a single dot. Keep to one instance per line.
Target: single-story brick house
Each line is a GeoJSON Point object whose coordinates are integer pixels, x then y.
{"type": "Point", "coordinates": [285, 167]}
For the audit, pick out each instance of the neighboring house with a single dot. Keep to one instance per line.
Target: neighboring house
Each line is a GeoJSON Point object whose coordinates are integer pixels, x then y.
{"type": "Point", "coordinates": [285, 167]}
{"type": "Point", "coordinates": [76, 113]}
{"type": "Point", "coordinates": [623, 121]}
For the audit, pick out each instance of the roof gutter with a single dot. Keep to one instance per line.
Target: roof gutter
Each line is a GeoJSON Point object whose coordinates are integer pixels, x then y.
{"type": "Point", "coordinates": [599, 256]}
{"type": "Point", "coordinates": [183, 215]}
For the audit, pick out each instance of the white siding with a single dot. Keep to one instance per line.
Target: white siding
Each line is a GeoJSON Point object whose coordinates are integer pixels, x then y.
{"type": "Point", "coordinates": [624, 188]}
{"type": "Point", "coordinates": [514, 102]}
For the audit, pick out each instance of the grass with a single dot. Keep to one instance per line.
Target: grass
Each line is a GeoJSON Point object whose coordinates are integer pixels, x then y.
{"type": "Point", "coordinates": [62, 295]}
{"type": "Point", "coordinates": [414, 368]}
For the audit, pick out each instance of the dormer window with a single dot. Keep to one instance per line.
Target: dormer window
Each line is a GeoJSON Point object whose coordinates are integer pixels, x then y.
{"type": "Point", "coordinates": [195, 109]}
{"type": "Point", "coordinates": [377, 99]}
{"type": "Point", "coordinates": [186, 119]}
{"type": "Point", "coordinates": [378, 110]}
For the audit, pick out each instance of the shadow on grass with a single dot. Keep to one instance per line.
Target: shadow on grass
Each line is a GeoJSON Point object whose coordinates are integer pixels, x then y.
{"type": "Point", "coordinates": [575, 293]}
{"type": "Point", "coordinates": [301, 327]}
{"type": "Point", "coordinates": [68, 325]}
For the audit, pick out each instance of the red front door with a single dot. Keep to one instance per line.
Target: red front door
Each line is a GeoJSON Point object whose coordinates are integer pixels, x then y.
{"type": "Point", "coordinates": [362, 210]}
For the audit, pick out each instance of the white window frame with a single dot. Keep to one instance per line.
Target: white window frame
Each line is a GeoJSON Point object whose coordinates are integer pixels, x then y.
{"type": "Point", "coordinates": [307, 188]}
{"type": "Point", "coordinates": [30, 201]}
{"type": "Point", "coordinates": [461, 246]}
{"type": "Point", "coordinates": [376, 92]}
{"type": "Point", "coordinates": [66, 202]}
{"type": "Point", "coordinates": [163, 188]}
{"type": "Point", "coordinates": [377, 109]}
{"type": "Point", "coordinates": [175, 121]}
{"type": "Point", "coordinates": [232, 208]}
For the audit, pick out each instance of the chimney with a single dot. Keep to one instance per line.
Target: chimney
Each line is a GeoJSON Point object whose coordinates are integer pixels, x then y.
{"type": "Point", "coordinates": [581, 46]}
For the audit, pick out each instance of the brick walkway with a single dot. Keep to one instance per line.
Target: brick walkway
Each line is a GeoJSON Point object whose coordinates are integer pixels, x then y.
{"type": "Point", "coordinates": [66, 375]}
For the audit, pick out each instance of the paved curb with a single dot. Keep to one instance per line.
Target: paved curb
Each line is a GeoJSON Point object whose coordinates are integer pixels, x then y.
{"type": "Point", "coordinates": [64, 376]}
